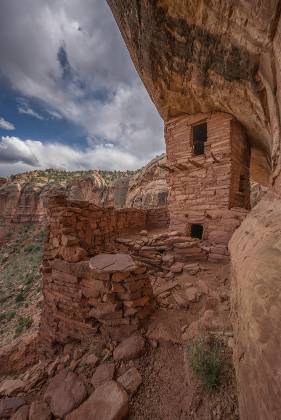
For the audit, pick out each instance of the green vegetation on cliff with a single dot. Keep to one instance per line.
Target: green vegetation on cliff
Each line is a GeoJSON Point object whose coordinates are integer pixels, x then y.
{"type": "Point", "coordinates": [62, 177]}
{"type": "Point", "coordinates": [20, 279]}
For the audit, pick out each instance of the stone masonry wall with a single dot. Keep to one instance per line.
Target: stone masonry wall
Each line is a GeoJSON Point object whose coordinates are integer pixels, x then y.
{"type": "Point", "coordinates": [203, 188]}
{"type": "Point", "coordinates": [157, 218]}
{"type": "Point", "coordinates": [77, 231]}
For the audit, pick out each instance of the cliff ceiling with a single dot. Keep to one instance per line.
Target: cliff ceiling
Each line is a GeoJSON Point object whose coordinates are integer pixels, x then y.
{"type": "Point", "coordinates": [211, 55]}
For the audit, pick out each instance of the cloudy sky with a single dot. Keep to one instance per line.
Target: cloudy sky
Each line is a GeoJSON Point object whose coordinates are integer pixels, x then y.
{"type": "Point", "coordinates": [70, 97]}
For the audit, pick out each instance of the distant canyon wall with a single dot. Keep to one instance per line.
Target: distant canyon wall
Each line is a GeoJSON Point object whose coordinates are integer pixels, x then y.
{"type": "Point", "coordinates": [22, 197]}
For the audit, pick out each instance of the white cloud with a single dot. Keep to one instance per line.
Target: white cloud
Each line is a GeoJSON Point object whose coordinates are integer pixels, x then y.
{"type": "Point", "coordinates": [6, 125]}
{"type": "Point", "coordinates": [25, 108]}
{"type": "Point", "coordinates": [54, 114]}
{"type": "Point", "coordinates": [102, 92]}
{"type": "Point", "coordinates": [17, 155]}
{"type": "Point", "coordinates": [31, 112]}
{"type": "Point", "coordinates": [13, 150]}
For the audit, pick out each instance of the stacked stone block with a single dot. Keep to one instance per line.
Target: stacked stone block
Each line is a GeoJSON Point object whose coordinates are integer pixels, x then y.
{"type": "Point", "coordinates": [76, 297]}
{"type": "Point", "coordinates": [79, 229]}
{"type": "Point", "coordinates": [204, 189]}
{"type": "Point", "coordinates": [126, 300]}
{"type": "Point", "coordinates": [157, 218]}
{"type": "Point", "coordinates": [111, 294]}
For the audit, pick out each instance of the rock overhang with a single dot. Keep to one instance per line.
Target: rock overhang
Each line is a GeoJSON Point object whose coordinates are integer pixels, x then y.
{"type": "Point", "coordinates": [200, 56]}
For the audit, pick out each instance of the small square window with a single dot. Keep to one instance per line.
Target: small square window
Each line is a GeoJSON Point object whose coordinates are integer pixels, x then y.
{"type": "Point", "coordinates": [196, 231]}
{"type": "Point", "coordinates": [199, 137]}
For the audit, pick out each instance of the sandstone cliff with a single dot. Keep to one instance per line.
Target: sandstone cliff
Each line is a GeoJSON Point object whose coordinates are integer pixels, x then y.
{"type": "Point", "coordinates": [148, 187]}
{"type": "Point", "coordinates": [203, 56]}
{"type": "Point", "coordinates": [256, 264]}
{"type": "Point", "coordinates": [22, 196]}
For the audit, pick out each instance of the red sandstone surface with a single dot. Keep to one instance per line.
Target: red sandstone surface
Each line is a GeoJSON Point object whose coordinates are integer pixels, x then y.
{"type": "Point", "coordinates": [127, 291]}
{"type": "Point", "coordinates": [134, 284]}
{"type": "Point", "coordinates": [118, 283]}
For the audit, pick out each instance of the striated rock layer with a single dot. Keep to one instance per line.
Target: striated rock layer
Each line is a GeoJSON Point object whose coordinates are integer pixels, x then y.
{"type": "Point", "coordinates": [22, 197]}
{"type": "Point", "coordinates": [256, 264]}
{"type": "Point", "coordinates": [148, 188]}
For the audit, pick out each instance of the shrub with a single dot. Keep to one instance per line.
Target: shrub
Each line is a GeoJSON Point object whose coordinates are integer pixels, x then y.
{"type": "Point", "coordinates": [32, 248]}
{"type": "Point", "coordinates": [205, 359]}
{"type": "Point", "coordinates": [41, 235]}
{"type": "Point", "coordinates": [23, 324]}
{"type": "Point", "coordinates": [19, 297]}
{"type": "Point", "coordinates": [10, 315]}
{"type": "Point", "coordinates": [7, 316]}
{"type": "Point", "coordinates": [29, 278]}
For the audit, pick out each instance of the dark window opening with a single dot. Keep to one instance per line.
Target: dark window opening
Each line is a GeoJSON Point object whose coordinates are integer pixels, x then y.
{"type": "Point", "coordinates": [199, 137]}
{"type": "Point", "coordinates": [196, 231]}
{"type": "Point", "coordinates": [162, 198]}
{"type": "Point", "coordinates": [242, 181]}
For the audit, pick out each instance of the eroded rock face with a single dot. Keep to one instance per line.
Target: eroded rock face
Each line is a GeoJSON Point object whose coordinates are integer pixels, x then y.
{"type": "Point", "coordinates": [204, 56]}
{"type": "Point", "coordinates": [8, 406]}
{"type": "Point", "coordinates": [148, 188]}
{"type": "Point", "coordinates": [256, 307]}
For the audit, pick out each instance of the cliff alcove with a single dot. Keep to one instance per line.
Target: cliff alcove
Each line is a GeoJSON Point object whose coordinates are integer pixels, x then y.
{"type": "Point", "coordinates": [199, 57]}
{"type": "Point", "coordinates": [160, 287]}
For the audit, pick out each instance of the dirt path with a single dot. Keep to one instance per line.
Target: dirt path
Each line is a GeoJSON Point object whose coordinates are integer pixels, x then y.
{"type": "Point", "coordinates": [164, 389]}
{"type": "Point", "coordinates": [170, 392]}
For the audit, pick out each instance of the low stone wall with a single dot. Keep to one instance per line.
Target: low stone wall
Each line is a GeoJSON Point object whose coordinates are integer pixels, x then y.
{"type": "Point", "coordinates": [79, 229]}
{"type": "Point", "coordinates": [64, 305]}
{"type": "Point", "coordinates": [157, 218]}
{"type": "Point", "coordinates": [127, 294]}
{"type": "Point", "coordinates": [79, 302]}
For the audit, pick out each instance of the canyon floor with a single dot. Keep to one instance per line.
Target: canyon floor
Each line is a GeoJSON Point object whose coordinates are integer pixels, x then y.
{"type": "Point", "coordinates": [163, 375]}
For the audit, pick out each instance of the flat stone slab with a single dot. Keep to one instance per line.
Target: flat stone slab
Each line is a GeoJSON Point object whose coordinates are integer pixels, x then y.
{"type": "Point", "coordinates": [65, 392]}
{"type": "Point", "coordinates": [110, 263]}
{"type": "Point", "coordinates": [108, 402]}
{"type": "Point", "coordinates": [11, 386]}
{"type": "Point", "coordinates": [130, 380]}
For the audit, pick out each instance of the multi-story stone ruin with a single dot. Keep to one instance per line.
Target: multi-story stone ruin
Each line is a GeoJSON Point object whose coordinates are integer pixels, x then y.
{"type": "Point", "coordinates": [208, 175]}
{"type": "Point", "coordinates": [208, 159]}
